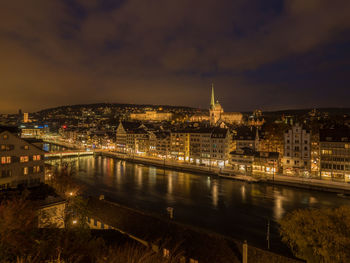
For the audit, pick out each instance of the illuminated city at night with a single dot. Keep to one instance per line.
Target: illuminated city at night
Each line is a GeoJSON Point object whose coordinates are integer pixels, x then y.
{"type": "Point", "coordinates": [175, 131]}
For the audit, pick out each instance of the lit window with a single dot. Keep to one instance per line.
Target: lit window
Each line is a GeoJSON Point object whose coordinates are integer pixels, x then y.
{"type": "Point", "coordinates": [36, 157]}
{"type": "Point", "coordinates": [5, 137]}
{"type": "Point", "coordinates": [24, 159]}
{"type": "Point", "coordinates": [36, 169]}
{"type": "Point", "coordinates": [166, 253]}
{"type": "Point", "coordinates": [25, 170]}
{"type": "Point", "coordinates": [26, 147]}
{"type": "Point", "coordinates": [5, 159]}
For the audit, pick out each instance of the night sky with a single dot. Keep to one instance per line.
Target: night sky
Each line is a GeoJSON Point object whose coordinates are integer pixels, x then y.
{"type": "Point", "coordinates": [270, 54]}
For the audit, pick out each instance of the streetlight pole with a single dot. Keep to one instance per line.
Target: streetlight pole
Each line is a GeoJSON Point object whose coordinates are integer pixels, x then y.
{"type": "Point", "coordinates": [268, 234]}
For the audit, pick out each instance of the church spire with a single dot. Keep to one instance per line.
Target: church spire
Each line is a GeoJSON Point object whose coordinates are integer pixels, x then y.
{"type": "Point", "coordinates": [212, 101]}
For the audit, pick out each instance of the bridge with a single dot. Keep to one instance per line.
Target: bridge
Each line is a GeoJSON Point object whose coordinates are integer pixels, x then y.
{"type": "Point", "coordinates": [62, 144]}
{"type": "Point", "coordinates": [73, 153]}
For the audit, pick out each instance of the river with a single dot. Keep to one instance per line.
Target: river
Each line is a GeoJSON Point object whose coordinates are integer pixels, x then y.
{"type": "Point", "coordinates": [232, 208]}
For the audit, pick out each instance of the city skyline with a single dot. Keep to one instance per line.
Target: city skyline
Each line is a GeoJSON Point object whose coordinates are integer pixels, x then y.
{"type": "Point", "coordinates": [276, 55]}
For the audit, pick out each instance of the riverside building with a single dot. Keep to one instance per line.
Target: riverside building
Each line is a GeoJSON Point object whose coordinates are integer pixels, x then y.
{"type": "Point", "coordinates": [335, 154]}
{"type": "Point", "coordinates": [297, 151]}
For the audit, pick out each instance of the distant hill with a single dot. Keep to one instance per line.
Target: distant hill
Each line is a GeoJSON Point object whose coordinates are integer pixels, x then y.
{"type": "Point", "coordinates": [300, 112]}
{"type": "Point", "coordinates": [117, 106]}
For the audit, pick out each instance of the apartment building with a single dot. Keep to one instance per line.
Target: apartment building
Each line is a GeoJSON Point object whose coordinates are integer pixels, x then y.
{"type": "Point", "coordinates": [297, 151]}
{"type": "Point", "coordinates": [180, 145]}
{"type": "Point", "coordinates": [159, 144]}
{"type": "Point", "coordinates": [21, 163]}
{"type": "Point", "coordinates": [335, 154]}
{"type": "Point", "coordinates": [250, 162]}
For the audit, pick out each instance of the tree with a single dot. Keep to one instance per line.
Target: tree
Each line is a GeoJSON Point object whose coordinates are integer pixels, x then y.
{"type": "Point", "coordinates": [318, 235]}
{"type": "Point", "coordinates": [17, 228]}
{"type": "Point", "coordinates": [63, 181]}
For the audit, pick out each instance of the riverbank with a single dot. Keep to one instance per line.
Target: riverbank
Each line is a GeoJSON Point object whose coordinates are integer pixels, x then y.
{"type": "Point", "coordinates": [163, 233]}
{"type": "Point", "coordinates": [305, 183]}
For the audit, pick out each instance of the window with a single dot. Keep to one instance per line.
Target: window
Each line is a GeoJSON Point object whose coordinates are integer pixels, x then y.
{"type": "Point", "coordinates": [24, 159]}
{"type": "Point", "coordinates": [36, 157]}
{"type": "Point", "coordinates": [5, 137]}
{"type": "Point", "coordinates": [6, 173]}
{"type": "Point", "coordinates": [26, 147]}
{"type": "Point", "coordinates": [166, 253]}
{"type": "Point", "coordinates": [3, 147]}
{"type": "Point", "coordinates": [36, 169]}
{"type": "Point", "coordinates": [25, 170]}
{"type": "Point", "coordinates": [5, 159]}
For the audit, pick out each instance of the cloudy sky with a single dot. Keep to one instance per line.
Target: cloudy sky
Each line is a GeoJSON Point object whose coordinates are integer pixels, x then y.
{"type": "Point", "coordinates": [271, 54]}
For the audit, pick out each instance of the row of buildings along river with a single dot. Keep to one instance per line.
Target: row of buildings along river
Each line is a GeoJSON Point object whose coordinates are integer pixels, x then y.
{"type": "Point", "coordinates": [224, 140]}
{"type": "Point", "coordinates": [311, 146]}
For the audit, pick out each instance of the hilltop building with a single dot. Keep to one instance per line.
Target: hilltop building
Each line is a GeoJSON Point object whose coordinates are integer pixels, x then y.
{"type": "Point", "coordinates": [152, 116]}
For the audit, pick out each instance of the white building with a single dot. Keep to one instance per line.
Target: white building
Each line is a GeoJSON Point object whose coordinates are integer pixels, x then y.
{"type": "Point", "coordinates": [297, 151]}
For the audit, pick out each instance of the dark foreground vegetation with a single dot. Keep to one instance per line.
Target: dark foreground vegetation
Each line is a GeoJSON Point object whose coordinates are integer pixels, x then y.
{"type": "Point", "coordinates": [318, 235]}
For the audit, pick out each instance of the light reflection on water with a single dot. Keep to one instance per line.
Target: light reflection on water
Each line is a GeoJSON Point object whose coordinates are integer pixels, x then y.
{"type": "Point", "coordinates": [234, 208]}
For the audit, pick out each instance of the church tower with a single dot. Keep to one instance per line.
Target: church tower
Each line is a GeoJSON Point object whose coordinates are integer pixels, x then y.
{"type": "Point", "coordinates": [212, 101]}
{"type": "Point", "coordinates": [215, 109]}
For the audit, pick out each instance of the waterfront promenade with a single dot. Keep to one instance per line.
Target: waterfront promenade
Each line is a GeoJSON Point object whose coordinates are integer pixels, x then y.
{"type": "Point", "coordinates": [308, 183]}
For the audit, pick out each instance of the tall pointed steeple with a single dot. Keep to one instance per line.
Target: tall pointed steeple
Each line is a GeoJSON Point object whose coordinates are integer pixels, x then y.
{"type": "Point", "coordinates": [212, 101]}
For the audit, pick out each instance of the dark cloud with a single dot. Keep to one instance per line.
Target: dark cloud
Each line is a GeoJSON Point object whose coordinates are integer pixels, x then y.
{"type": "Point", "coordinates": [61, 52]}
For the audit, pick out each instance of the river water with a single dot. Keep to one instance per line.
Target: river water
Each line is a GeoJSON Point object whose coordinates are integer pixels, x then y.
{"type": "Point", "coordinates": [237, 209]}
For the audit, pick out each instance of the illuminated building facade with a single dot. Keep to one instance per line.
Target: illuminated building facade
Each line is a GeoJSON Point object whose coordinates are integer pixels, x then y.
{"type": "Point", "coordinates": [247, 161]}
{"type": "Point", "coordinates": [25, 117]}
{"type": "Point", "coordinates": [246, 138]}
{"type": "Point", "coordinates": [199, 118]}
{"type": "Point", "coordinates": [21, 163]}
{"type": "Point", "coordinates": [221, 146]}
{"type": "Point", "coordinates": [159, 144]}
{"type": "Point", "coordinates": [30, 130]}
{"type": "Point", "coordinates": [180, 145]}
{"type": "Point", "coordinates": [256, 119]}
{"type": "Point", "coordinates": [216, 113]}
{"type": "Point", "coordinates": [121, 135]}
{"type": "Point", "coordinates": [151, 116]}
{"type": "Point", "coordinates": [297, 151]}
{"type": "Point", "coordinates": [335, 154]}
